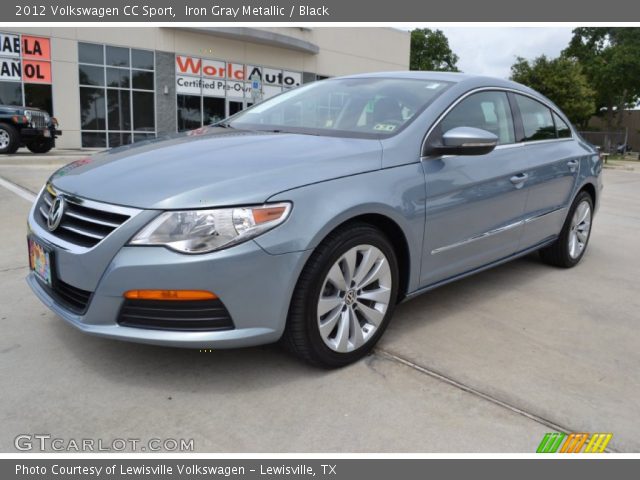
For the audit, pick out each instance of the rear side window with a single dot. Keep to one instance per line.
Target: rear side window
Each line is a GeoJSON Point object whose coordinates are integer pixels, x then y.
{"type": "Point", "coordinates": [486, 110]}
{"type": "Point", "coordinates": [536, 120]}
{"type": "Point", "coordinates": [561, 127]}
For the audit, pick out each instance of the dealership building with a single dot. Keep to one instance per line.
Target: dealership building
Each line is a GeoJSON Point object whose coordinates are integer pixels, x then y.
{"type": "Point", "coordinates": [113, 86]}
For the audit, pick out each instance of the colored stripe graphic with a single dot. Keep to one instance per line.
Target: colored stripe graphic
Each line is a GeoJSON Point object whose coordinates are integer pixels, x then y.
{"type": "Point", "coordinates": [574, 442]}
{"type": "Point", "coordinates": [598, 442]}
{"type": "Point", "coordinates": [550, 443]}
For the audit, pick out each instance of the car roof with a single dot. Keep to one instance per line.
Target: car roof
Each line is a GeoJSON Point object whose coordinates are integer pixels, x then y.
{"type": "Point", "coordinates": [464, 81]}
{"type": "Point", "coordinates": [472, 81]}
{"type": "Point", "coordinates": [415, 74]}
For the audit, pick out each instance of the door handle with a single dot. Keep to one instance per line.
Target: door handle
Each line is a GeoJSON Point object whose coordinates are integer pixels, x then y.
{"type": "Point", "coordinates": [572, 164]}
{"type": "Point", "coordinates": [518, 180]}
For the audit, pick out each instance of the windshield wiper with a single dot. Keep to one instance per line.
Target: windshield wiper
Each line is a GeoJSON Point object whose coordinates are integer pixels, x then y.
{"type": "Point", "coordinates": [223, 125]}
{"type": "Point", "coordinates": [282, 130]}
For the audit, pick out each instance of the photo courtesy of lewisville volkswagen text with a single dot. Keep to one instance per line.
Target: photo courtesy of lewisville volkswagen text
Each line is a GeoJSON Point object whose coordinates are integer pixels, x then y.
{"type": "Point", "coordinates": [332, 250]}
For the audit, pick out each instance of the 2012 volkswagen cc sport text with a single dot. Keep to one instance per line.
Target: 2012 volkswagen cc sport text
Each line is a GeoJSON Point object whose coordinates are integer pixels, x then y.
{"type": "Point", "coordinates": [308, 217]}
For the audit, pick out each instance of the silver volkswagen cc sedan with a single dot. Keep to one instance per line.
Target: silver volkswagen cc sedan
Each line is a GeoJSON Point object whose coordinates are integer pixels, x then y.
{"type": "Point", "coordinates": [309, 216]}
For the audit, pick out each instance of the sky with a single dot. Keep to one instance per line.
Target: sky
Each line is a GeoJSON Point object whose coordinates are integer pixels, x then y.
{"type": "Point", "coordinates": [492, 50]}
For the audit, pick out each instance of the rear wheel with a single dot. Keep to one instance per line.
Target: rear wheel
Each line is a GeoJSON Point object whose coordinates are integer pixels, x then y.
{"type": "Point", "coordinates": [344, 298]}
{"type": "Point", "coordinates": [569, 248]}
{"type": "Point", "coordinates": [9, 139]}
{"type": "Point", "coordinates": [42, 145]}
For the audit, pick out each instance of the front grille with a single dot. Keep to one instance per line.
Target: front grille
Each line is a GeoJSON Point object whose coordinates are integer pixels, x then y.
{"type": "Point", "coordinates": [39, 119]}
{"type": "Point", "coordinates": [197, 315]}
{"type": "Point", "coordinates": [72, 298]}
{"type": "Point", "coordinates": [80, 225]}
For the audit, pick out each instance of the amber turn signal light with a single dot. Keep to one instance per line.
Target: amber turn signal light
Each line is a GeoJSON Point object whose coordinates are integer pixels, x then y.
{"type": "Point", "coordinates": [266, 214]}
{"type": "Point", "coordinates": [171, 295]}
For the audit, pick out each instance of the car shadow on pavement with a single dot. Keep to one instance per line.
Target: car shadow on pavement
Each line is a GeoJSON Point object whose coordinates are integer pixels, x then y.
{"type": "Point", "coordinates": [460, 295]}
{"type": "Point", "coordinates": [250, 368]}
{"type": "Point", "coordinates": [179, 369]}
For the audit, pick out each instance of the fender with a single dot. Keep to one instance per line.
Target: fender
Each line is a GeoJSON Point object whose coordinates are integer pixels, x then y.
{"type": "Point", "coordinates": [396, 193]}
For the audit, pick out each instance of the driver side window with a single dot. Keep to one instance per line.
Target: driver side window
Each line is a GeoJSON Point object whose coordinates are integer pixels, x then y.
{"type": "Point", "coordinates": [488, 111]}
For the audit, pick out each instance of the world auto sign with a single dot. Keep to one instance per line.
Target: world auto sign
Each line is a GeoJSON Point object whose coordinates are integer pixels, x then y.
{"type": "Point", "coordinates": [217, 78]}
{"type": "Point", "coordinates": [25, 58]}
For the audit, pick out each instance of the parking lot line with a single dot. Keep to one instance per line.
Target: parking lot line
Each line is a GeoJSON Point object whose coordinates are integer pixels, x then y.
{"type": "Point", "coordinates": [478, 393]}
{"type": "Point", "coordinates": [18, 190]}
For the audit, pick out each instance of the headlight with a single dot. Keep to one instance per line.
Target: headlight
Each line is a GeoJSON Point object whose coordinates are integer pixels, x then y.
{"type": "Point", "coordinates": [29, 115]}
{"type": "Point", "coordinates": [202, 231]}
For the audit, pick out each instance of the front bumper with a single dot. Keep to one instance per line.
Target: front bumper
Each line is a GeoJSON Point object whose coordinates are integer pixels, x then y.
{"type": "Point", "coordinates": [255, 287]}
{"type": "Point", "coordinates": [31, 133]}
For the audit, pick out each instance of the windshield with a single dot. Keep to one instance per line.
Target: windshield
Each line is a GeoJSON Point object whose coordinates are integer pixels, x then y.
{"type": "Point", "coordinates": [366, 107]}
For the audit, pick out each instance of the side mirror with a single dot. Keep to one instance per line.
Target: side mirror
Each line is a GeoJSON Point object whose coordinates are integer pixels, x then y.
{"type": "Point", "coordinates": [464, 141]}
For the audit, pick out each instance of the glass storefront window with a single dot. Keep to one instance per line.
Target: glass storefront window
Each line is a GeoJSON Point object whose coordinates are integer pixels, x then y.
{"type": "Point", "coordinates": [10, 93]}
{"type": "Point", "coordinates": [38, 95]}
{"type": "Point", "coordinates": [189, 112]}
{"type": "Point", "coordinates": [94, 139]}
{"type": "Point", "coordinates": [91, 75]}
{"type": "Point", "coordinates": [92, 109]}
{"type": "Point", "coordinates": [213, 110]}
{"type": "Point", "coordinates": [142, 80]}
{"type": "Point", "coordinates": [143, 111]}
{"type": "Point", "coordinates": [118, 108]}
{"type": "Point", "coordinates": [195, 111]}
{"type": "Point", "coordinates": [117, 95]}
{"type": "Point", "coordinates": [142, 59]}
{"type": "Point", "coordinates": [118, 77]}
{"type": "Point", "coordinates": [234, 107]}
{"type": "Point", "coordinates": [90, 53]}
{"type": "Point", "coordinates": [117, 56]}
{"type": "Point", "coordinates": [118, 139]}
{"type": "Point", "coordinates": [141, 137]}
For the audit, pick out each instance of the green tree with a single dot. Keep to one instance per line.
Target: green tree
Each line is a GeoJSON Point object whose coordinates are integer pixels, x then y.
{"type": "Point", "coordinates": [610, 58]}
{"type": "Point", "coordinates": [430, 50]}
{"type": "Point", "coordinates": [562, 81]}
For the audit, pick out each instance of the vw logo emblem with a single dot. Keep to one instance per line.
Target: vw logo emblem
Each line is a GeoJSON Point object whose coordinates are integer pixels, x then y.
{"type": "Point", "coordinates": [350, 297]}
{"type": "Point", "coordinates": [55, 213]}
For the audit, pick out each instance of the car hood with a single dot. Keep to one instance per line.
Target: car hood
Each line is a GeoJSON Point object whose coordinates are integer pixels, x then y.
{"type": "Point", "coordinates": [214, 166]}
{"type": "Point", "coordinates": [16, 109]}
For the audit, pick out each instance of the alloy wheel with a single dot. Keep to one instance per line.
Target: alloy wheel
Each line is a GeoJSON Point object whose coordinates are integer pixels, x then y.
{"type": "Point", "coordinates": [4, 139]}
{"type": "Point", "coordinates": [580, 229]}
{"type": "Point", "coordinates": [354, 298]}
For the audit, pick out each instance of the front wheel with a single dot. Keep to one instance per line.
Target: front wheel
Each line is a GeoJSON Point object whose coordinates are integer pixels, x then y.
{"type": "Point", "coordinates": [344, 298]}
{"type": "Point", "coordinates": [9, 139]}
{"type": "Point", "coordinates": [572, 243]}
{"type": "Point", "coordinates": [41, 145]}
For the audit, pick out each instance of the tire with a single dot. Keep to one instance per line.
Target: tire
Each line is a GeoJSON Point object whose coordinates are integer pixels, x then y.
{"type": "Point", "coordinates": [9, 139]}
{"type": "Point", "coordinates": [40, 146]}
{"type": "Point", "coordinates": [318, 300]}
{"type": "Point", "coordinates": [577, 228]}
